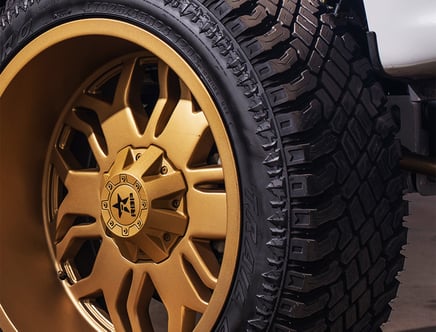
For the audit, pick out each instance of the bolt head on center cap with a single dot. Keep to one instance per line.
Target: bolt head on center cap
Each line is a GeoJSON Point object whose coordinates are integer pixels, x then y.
{"type": "Point", "coordinates": [124, 205]}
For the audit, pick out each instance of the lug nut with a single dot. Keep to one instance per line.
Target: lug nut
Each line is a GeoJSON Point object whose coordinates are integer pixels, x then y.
{"type": "Point", "coordinates": [62, 275]}
{"type": "Point", "coordinates": [138, 156]}
{"type": "Point", "coordinates": [163, 170]}
{"type": "Point", "coordinates": [167, 237]}
{"type": "Point", "coordinates": [176, 203]}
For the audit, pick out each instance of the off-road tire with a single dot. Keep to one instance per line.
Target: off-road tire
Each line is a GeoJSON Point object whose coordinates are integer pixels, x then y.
{"type": "Point", "coordinates": [318, 163]}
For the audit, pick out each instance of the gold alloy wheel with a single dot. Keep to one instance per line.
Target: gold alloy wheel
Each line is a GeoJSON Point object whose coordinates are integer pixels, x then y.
{"type": "Point", "coordinates": [140, 198]}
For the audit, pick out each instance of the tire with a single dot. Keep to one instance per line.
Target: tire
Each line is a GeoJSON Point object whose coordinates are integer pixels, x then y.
{"type": "Point", "coordinates": [308, 160]}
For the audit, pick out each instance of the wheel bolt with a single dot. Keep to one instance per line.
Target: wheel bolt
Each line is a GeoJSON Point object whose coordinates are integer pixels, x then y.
{"type": "Point", "coordinates": [138, 156]}
{"type": "Point", "coordinates": [163, 170]}
{"type": "Point", "coordinates": [62, 275]}
{"type": "Point", "coordinates": [176, 203]}
{"type": "Point", "coordinates": [167, 237]}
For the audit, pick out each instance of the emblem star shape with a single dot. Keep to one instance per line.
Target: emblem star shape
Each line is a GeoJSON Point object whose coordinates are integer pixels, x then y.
{"type": "Point", "coordinates": [121, 205]}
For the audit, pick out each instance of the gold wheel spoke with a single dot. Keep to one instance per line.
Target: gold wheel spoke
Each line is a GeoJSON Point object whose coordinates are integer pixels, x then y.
{"type": "Point", "coordinates": [149, 247]}
{"type": "Point", "coordinates": [210, 174]}
{"type": "Point", "coordinates": [95, 142]}
{"type": "Point", "coordinates": [146, 161]}
{"type": "Point", "coordinates": [129, 84]}
{"type": "Point", "coordinates": [90, 102]}
{"type": "Point", "coordinates": [85, 287]}
{"type": "Point", "coordinates": [181, 319]}
{"type": "Point", "coordinates": [83, 194]}
{"type": "Point", "coordinates": [186, 128]}
{"type": "Point", "coordinates": [190, 294]}
{"type": "Point", "coordinates": [168, 98]}
{"type": "Point", "coordinates": [165, 185]}
{"type": "Point", "coordinates": [60, 164]}
{"type": "Point", "coordinates": [69, 244]}
{"type": "Point", "coordinates": [138, 302]}
{"type": "Point", "coordinates": [120, 130]}
{"type": "Point", "coordinates": [117, 122]}
{"type": "Point", "coordinates": [204, 262]}
{"type": "Point", "coordinates": [74, 121]}
{"type": "Point", "coordinates": [117, 297]}
{"type": "Point", "coordinates": [111, 276]}
{"type": "Point", "coordinates": [213, 225]}
{"type": "Point", "coordinates": [167, 221]}
{"type": "Point", "coordinates": [176, 127]}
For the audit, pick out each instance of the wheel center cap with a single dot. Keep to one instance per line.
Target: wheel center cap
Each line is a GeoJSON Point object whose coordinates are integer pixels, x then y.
{"type": "Point", "coordinates": [124, 205]}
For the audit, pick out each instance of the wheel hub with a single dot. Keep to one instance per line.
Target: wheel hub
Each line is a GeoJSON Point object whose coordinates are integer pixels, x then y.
{"type": "Point", "coordinates": [124, 205]}
{"type": "Point", "coordinates": [141, 204]}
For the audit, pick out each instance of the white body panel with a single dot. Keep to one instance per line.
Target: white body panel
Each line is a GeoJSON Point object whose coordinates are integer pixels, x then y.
{"type": "Point", "coordinates": [406, 35]}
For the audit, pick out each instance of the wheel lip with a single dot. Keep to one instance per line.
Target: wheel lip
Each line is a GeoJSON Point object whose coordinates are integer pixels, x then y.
{"type": "Point", "coordinates": [146, 40]}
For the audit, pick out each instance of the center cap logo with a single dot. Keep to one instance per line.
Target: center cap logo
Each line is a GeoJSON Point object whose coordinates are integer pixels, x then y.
{"type": "Point", "coordinates": [124, 205]}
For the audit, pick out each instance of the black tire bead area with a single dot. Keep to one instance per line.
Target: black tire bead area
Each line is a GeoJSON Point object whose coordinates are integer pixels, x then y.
{"type": "Point", "coordinates": [314, 146]}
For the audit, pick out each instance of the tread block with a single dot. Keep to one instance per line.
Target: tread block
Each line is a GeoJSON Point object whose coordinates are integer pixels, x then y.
{"type": "Point", "coordinates": [363, 325]}
{"type": "Point", "coordinates": [351, 185]}
{"type": "Point", "coordinates": [342, 165]}
{"type": "Point", "coordinates": [272, 67]}
{"type": "Point", "coordinates": [358, 290]}
{"type": "Point", "coordinates": [331, 86]}
{"type": "Point", "coordinates": [364, 261]}
{"type": "Point", "coordinates": [296, 309]}
{"type": "Point", "coordinates": [337, 75]}
{"type": "Point", "coordinates": [306, 282]}
{"type": "Point", "coordinates": [306, 25]}
{"type": "Point", "coordinates": [378, 287]}
{"type": "Point", "coordinates": [309, 185]}
{"type": "Point", "coordinates": [299, 121]}
{"type": "Point", "coordinates": [351, 275]}
{"type": "Point", "coordinates": [357, 215]}
{"type": "Point", "coordinates": [364, 304]}
{"type": "Point", "coordinates": [313, 218]}
{"type": "Point", "coordinates": [301, 49]}
{"type": "Point", "coordinates": [311, 250]}
{"type": "Point", "coordinates": [376, 183]}
{"type": "Point", "coordinates": [287, 13]}
{"type": "Point", "coordinates": [366, 198]}
{"type": "Point", "coordinates": [394, 246]}
{"type": "Point", "coordinates": [339, 308]}
{"type": "Point", "coordinates": [375, 246]}
{"type": "Point", "coordinates": [376, 269]}
{"type": "Point", "coordinates": [366, 231]}
{"type": "Point", "coordinates": [301, 33]}
{"type": "Point", "coordinates": [357, 132]}
{"type": "Point", "coordinates": [329, 106]}
{"type": "Point", "coordinates": [350, 251]}
{"type": "Point", "coordinates": [346, 233]}
{"type": "Point", "coordinates": [386, 227]}
{"type": "Point", "coordinates": [350, 317]}
{"type": "Point", "coordinates": [339, 121]}
{"type": "Point", "coordinates": [365, 99]}
{"type": "Point", "coordinates": [364, 119]}
{"type": "Point", "coordinates": [350, 148]}
{"type": "Point", "coordinates": [364, 166]}
{"type": "Point", "coordinates": [356, 86]}
{"type": "Point", "coordinates": [289, 92]}
{"type": "Point", "coordinates": [394, 270]}
{"type": "Point", "coordinates": [337, 292]}
{"type": "Point", "coordinates": [315, 62]}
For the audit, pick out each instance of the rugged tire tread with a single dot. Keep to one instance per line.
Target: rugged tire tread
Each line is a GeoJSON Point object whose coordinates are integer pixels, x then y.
{"type": "Point", "coordinates": [338, 149]}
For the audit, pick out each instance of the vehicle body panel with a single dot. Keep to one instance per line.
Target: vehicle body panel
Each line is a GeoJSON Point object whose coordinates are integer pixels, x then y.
{"type": "Point", "coordinates": [406, 36]}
